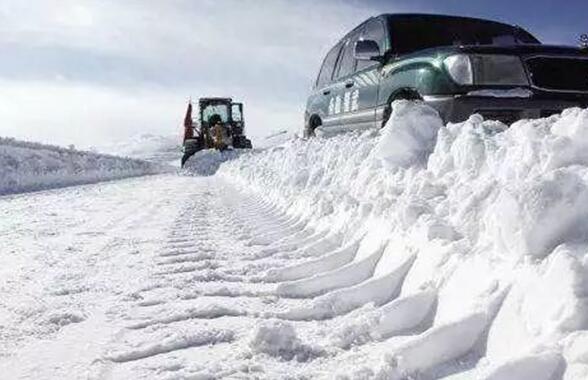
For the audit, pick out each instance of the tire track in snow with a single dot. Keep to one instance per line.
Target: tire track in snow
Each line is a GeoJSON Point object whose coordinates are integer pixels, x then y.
{"type": "Point", "coordinates": [170, 344]}
{"type": "Point", "coordinates": [76, 270]}
{"type": "Point", "coordinates": [203, 248]}
{"type": "Point", "coordinates": [233, 264]}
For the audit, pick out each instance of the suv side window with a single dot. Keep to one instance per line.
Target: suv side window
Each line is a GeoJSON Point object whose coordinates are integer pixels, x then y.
{"type": "Point", "coordinates": [347, 64]}
{"type": "Point", "coordinates": [374, 30]}
{"type": "Point", "coordinates": [326, 73]}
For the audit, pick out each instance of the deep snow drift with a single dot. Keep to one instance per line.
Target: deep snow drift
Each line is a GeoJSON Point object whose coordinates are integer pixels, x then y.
{"type": "Point", "coordinates": [469, 241]}
{"type": "Point", "coordinates": [26, 166]}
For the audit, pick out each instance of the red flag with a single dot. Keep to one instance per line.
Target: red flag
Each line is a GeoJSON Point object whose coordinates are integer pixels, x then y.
{"type": "Point", "coordinates": [188, 130]}
{"type": "Point", "coordinates": [188, 118]}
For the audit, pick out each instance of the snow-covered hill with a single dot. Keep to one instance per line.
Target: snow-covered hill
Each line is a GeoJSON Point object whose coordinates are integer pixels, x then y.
{"type": "Point", "coordinates": [26, 166]}
{"type": "Point", "coordinates": [473, 258]}
{"type": "Point", "coordinates": [148, 147]}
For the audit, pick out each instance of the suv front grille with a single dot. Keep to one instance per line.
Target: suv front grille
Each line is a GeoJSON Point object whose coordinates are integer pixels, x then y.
{"type": "Point", "coordinates": [559, 74]}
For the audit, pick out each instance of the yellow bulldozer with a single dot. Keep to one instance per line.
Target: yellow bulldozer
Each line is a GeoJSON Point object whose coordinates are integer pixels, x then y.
{"type": "Point", "coordinates": [219, 125]}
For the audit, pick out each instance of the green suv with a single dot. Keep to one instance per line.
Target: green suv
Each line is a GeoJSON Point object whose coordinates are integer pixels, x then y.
{"type": "Point", "coordinates": [458, 65]}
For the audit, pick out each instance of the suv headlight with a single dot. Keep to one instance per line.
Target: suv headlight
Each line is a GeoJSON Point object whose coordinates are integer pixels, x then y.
{"type": "Point", "coordinates": [460, 68]}
{"type": "Point", "coordinates": [499, 70]}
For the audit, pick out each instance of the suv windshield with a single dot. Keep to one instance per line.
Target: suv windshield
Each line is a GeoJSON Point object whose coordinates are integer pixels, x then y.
{"type": "Point", "coordinates": [411, 33]}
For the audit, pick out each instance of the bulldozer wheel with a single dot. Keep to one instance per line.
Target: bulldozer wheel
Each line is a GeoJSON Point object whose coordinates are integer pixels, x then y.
{"type": "Point", "coordinates": [184, 159]}
{"type": "Point", "coordinates": [242, 143]}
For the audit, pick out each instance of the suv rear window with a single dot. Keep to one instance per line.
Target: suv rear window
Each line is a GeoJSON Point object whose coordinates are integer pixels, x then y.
{"type": "Point", "coordinates": [326, 73]}
{"type": "Point", "coordinates": [413, 33]}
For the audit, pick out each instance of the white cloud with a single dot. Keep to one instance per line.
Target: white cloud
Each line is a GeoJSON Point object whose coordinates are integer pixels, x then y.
{"type": "Point", "coordinates": [250, 32]}
{"type": "Point", "coordinates": [86, 116]}
{"type": "Point", "coordinates": [87, 71]}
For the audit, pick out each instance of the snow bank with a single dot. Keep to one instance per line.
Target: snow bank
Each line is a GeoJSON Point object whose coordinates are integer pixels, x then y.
{"type": "Point", "coordinates": [493, 219]}
{"type": "Point", "coordinates": [411, 140]}
{"type": "Point", "coordinates": [28, 166]}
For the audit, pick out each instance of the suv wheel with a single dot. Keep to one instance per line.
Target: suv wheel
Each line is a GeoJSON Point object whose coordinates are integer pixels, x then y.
{"type": "Point", "coordinates": [313, 124]}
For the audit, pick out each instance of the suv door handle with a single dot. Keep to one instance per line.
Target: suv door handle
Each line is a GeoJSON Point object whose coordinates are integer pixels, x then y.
{"type": "Point", "coordinates": [349, 84]}
{"type": "Point", "coordinates": [326, 92]}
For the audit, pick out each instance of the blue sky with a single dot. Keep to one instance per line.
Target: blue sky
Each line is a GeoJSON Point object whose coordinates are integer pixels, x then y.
{"type": "Point", "coordinates": [92, 71]}
{"type": "Point", "coordinates": [552, 21]}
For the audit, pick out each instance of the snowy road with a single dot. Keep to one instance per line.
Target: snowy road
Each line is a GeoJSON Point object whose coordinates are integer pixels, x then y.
{"type": "Point", "coordinates": [142, 278]}
{"type": "Point", "coordinates": [71, 260]}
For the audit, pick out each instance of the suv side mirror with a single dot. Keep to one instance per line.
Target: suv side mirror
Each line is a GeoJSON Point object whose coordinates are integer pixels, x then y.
{"type": "Point", "coordinates": [367, 50]}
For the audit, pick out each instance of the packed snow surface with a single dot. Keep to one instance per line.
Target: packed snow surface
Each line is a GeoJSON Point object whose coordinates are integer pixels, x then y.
{"type": "Point", "coordinates": [28, 166]}
{"type": "Point", "coordinates": [420, 251]}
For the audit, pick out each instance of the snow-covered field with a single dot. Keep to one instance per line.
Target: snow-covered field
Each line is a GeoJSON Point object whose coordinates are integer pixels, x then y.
{"type": "Point", "coordinates": [422, 251]}
{"type": "Point", "coordinates": [26, 166]}
{"type": "Point", "coordinates": [147, 147]}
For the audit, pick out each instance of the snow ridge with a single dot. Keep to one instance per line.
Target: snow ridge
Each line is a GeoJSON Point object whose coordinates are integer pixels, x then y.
{"type": "Point", "coordinates": [469, 241]}
{"type": "Point", "coordinates": [26, 166]}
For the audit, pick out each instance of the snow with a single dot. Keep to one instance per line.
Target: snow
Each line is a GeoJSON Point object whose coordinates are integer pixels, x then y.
{"type": "Point", "coordinates": [413, 137]}
{"type": "Point", "coordinates": [148, 147]}
{"type": "Point", "coordinates": [420, 251]}
{"type": "Point", "coordinates": [206, 162]}
{"type": "Point", "coordinates": [169, 343]}
{"type": "Point", "coordinates": [276, 138]}
{"type": "Point", "coordinates": [511, 93]}
{"type": "Point", "coordinates": [278, 338]}
{"type": "Point", "coordinates": [494, 218]}
{"type": "Point", "coordinates": [29, 166]}
{"type": "Point", "coordinates": [545, 365]}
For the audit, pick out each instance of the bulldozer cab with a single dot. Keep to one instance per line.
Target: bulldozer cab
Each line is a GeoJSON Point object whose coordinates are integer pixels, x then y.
{"type": "Point", "coordinates": [238, 123]}
{"type": "Point", "coordinates": [229, 112]}
{"type": "Point", "coordinates": [237, 112]}
{"type": "Point", "coordinates": [210, 107]}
